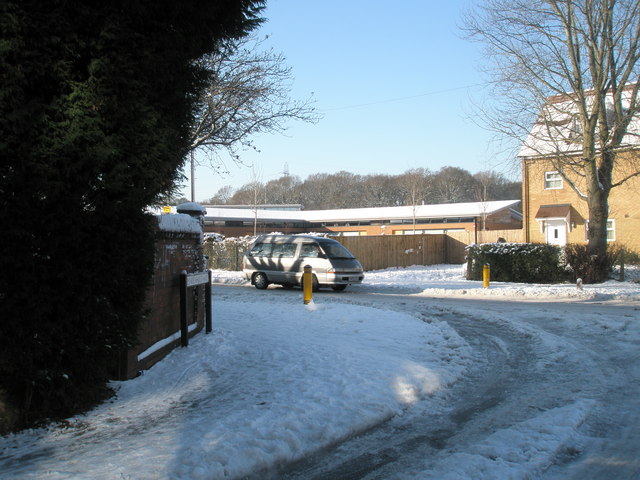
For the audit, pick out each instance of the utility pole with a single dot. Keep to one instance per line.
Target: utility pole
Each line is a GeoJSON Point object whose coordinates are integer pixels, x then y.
{"type": "Point", "coordinates": [193, 178]}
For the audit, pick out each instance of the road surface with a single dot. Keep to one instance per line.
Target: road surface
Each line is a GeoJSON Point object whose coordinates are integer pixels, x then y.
{"type": "Point", "coordinates": [512, 379]}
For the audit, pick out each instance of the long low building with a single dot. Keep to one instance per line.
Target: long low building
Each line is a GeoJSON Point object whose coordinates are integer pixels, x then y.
{"type": "Point", "coordinates": [405, 220]}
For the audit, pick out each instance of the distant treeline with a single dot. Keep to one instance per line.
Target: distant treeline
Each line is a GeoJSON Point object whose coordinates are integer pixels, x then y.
{"type": "Point", "coordinates": [347, 190]}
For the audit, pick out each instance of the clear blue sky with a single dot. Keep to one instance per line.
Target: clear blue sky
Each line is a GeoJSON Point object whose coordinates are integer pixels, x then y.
{"type": "Point", "coordinates": [395, 83]}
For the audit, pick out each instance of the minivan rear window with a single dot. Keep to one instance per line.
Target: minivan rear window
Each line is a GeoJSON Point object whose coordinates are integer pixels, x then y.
{"type": "Point", "coordinates": [284, 250]}
{"type": "Point", "coordinates": [309, 250]}
{"type": "Point", "coordinates": [335, 250]}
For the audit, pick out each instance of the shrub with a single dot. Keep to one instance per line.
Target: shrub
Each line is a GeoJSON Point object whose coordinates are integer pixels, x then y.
{"type": "Point", "coordinates": [590, 268]}
{"type": "Point", "coordinates": [626, 256]}
{"type": "Point", "coordinates": [515, 262]}
{"type": "Point", "coordinates": [94, 120]}
{"type": "Point", "coordinates": [226, 254]}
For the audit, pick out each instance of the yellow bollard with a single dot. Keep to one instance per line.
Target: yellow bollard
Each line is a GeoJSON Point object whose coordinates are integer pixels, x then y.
{"type": "Point", "coordinates": [307, 287]}
{"type": "Point", "coordinates": [486, 274]}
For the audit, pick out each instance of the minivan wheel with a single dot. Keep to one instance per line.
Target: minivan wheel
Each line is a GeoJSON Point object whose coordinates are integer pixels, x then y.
{"type": "Point", "coordinates": [261, 281]}
{"type": "Point", "coordinates": [338, 288]}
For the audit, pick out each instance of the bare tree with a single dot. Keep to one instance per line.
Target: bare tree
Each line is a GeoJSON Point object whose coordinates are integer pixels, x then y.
{"type": "Point", "coordinates": [247, 94]}
{"type": "Point", "coordinates": [222, 196]}
{"type": "Point", "coordinates": [452, 185]}
{"type": "Point", "coordinates": [335, 190]}
{"type": "Point", "coordinates": [381, 190]}
{"type": "Point", "coordinates": [283, 190]}
{"type": "Point", "coordinates": [347, 190]}
{"type": "Point", "coordinates": [244, 195]}
{"type": "Point", "coordinates": [414, 184]}
{"type": "Point", "coordinates": [313, 195]}
{"type": "Point", "coordinates": [570, 69]}
{"type": "Point", "coordinates": [257, 188]}
{"type": "Point", "coordinates": [495, 186]}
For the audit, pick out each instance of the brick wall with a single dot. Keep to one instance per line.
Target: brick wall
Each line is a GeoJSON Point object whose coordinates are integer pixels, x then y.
{"type": "Point", "coordinates": [159, 333]}
{"type": "Point", "coordinates": [623, 206]}
{"type": "Point", "coordinates": [498, 221]}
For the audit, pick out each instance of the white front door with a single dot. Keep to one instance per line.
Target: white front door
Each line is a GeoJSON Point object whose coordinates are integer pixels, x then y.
{"type": "Point", "coordinates": [556, 231]}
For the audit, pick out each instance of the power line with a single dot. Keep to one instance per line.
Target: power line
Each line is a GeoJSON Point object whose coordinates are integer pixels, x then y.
{"type": "Point", "coordinates": [400, 99]}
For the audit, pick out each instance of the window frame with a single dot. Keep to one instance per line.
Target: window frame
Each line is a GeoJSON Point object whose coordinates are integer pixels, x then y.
{"type": "Point", "coordinates": [548, 182]}
{"type": "Point", "coordinates": [611, 228]}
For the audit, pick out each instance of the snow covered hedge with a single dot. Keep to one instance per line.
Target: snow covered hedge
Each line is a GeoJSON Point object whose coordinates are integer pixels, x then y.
{"type": "Point", "coordinates": [516, 262]}
{"type": "Point", "coordinates": [225, 253]}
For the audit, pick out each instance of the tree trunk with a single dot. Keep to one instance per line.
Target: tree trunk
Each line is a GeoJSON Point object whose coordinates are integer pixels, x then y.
{"type": "Point", "coordinates": [599, 186]}
{"type": "Point", "coordinates": [598, 214]}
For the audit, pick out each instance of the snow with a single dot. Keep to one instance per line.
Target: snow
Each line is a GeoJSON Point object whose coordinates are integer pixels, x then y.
{"type": "Point", "coordinates": [164, 342]}
{"type": "Point", "coordinates": [191, 207]}
{"type": "Point", "coordinates": [278, 380]}
{"type": "Point", "coordinates": [506, 452]}
{"type": "Point", "coordinates": [471, 209]}
{"type": "Point", "coordinates": [179, 222]}
{"type": "Point", "coordinates": [557, 127]}
{"type": "Point", "coordinates": [449, 281]}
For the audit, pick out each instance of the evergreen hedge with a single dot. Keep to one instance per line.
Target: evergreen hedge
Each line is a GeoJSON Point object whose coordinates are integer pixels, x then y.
{"type": "Point", "coordinates": [95, 108]}
{"type": "Point", "coordinates": [516, 262]}
{"type": "Point", "coordinates": [226, 254]}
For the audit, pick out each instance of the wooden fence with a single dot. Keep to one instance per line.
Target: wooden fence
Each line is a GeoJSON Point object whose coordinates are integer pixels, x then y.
{"type": "Point", "coordinates": [487, 236]}
{"type": "Point", "coordinates": [377, 252]}
{"type": "Point", "coordinates": [511, 236]}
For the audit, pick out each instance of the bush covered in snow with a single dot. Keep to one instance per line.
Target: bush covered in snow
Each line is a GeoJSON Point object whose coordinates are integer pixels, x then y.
{"type": "Point", "coordinates": [225, 253]}
{"type": "Point", "coordinates": [516, 262]}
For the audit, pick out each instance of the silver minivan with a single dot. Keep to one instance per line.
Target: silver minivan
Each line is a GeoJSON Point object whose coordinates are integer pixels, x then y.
{"type": "Point", "coordinates": [281, 259]}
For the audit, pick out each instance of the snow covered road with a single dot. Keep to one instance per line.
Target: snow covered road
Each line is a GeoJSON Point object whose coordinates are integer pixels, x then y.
{"type": "Point", "coordinates": [553, 393]}
{"type": "Point", "coordinates": [383, 381]}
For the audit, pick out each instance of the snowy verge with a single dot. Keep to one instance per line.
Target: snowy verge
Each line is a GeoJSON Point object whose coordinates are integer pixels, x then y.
{"type": "Point", "coordinates": [449, 281]}
{"type": "Point", "coordinates": [272, 384]}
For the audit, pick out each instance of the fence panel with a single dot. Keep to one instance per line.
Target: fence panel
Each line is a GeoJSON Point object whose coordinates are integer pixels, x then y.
{"type": "Point", "coordinates": [377, 252]}
{"type": "Point", "coordinates": [511, 236]}
{"type": "Point", "coordinates": [455, 245]}
{"type": "Point", "coordinates": [226, 255]}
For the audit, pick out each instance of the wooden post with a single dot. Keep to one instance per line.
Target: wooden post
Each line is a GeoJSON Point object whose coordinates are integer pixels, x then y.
{"type": "Point", "coordinates": [207, 303]}
{"type": "Point", "coordinates": [184, 333]}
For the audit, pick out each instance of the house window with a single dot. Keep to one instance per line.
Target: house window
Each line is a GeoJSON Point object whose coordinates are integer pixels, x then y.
{"type": "Point", "coordinates": [552, 181]}
{"type": "Point", "coordinates": [611, 230]}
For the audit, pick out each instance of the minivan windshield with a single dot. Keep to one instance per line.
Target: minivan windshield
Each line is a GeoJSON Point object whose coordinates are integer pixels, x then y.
{"type": "Point", "coordinates": [335, 250]}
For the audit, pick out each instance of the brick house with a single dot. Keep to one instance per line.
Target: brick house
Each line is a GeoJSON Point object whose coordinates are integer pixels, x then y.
{"type": "Point", "coordinates": [552, 210]}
